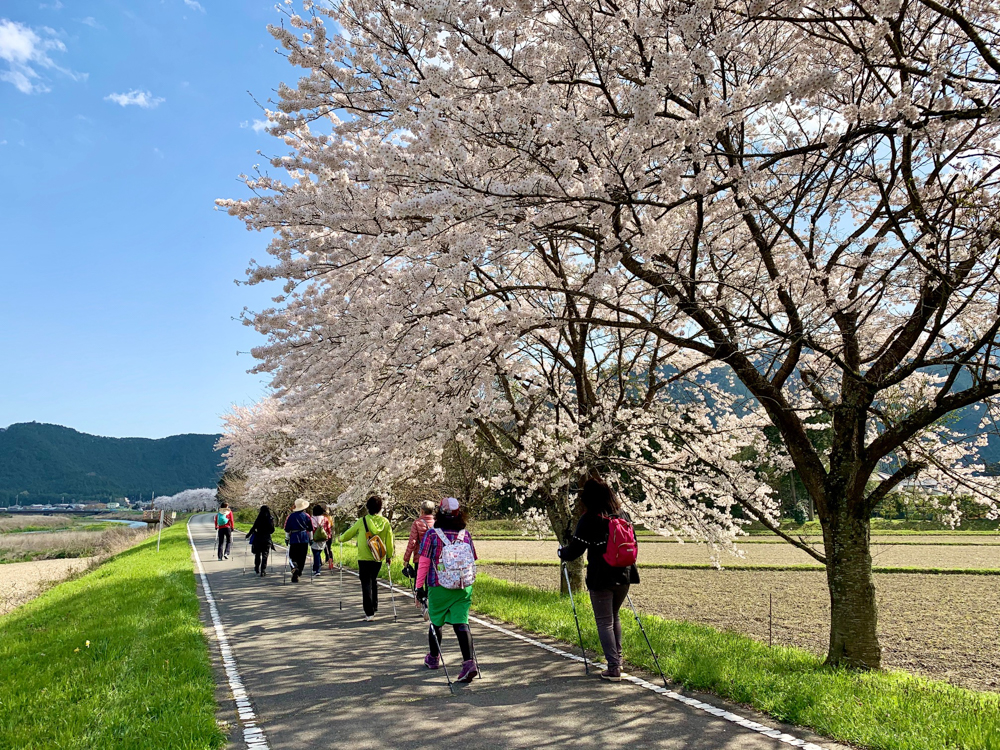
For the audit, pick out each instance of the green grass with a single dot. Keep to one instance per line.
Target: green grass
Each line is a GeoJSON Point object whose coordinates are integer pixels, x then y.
{"type": "Point", "coordinates": [878, 710]}
{"type": "Point", "coordinates": [883, 710]}
{"type": "Point", "coordinates": [145, 681]}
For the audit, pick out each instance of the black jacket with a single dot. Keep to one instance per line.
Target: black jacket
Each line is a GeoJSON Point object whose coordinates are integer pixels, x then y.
{"type": "Point", "coordinates": [591, 536]}
{"type": "Point", "coordinates": [262, 529]}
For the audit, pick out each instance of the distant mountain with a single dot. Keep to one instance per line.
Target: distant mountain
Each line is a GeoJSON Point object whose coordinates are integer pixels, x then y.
{"type": "Point", "coordinates": [52, 462]}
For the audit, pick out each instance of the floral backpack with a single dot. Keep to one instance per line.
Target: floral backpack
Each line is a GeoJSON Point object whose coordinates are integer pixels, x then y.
{"type": "Point", "coordinates": [456, 568]}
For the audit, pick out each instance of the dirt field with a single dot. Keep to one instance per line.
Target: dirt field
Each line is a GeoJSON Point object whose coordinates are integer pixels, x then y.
{"type": "Point", "coordinates": [940, 626]}
{"type": "Point", "coordinates": [64, 544]}
{"type": "Point", "coordinates": [919, 556]}
{"type": "Point", "coordinates": [20, 582]}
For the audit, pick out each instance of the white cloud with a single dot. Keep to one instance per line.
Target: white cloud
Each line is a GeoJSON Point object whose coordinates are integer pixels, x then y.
{"type": "Point", "coordinates": [91, 22]}
{"type": "Point", "coordinates": [57, 5]}
{"type": "Point", "coordinates": [245, 124]}
{"type": "Point", "coordinates": [194, 4]}
{"type": "Point", "coordinates": [3, 143]}
{"type": "Point", "coordinates": [25, 51]}
{"type": "Point", "coordinates": [260, 126]}
{"type": "Point", "coordinates": [142, 99]}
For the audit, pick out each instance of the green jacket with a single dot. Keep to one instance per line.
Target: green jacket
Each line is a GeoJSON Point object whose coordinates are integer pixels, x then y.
{"type": "Point", "coordinates": [377, 525]}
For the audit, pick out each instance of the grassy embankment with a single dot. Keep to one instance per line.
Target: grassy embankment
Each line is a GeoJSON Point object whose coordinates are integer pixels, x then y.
{"type": "Point", "coordinates": [144, 680]}
{"type": "Point", "coordinates": [880, 710]}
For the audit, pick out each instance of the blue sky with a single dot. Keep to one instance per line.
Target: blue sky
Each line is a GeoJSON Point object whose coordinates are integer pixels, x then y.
{"type": "Point", "coordinates": [120, 123]}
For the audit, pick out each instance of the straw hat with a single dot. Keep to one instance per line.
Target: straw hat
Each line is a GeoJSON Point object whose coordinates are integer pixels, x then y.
{"type": "Point", "coordinates": [300, 504]}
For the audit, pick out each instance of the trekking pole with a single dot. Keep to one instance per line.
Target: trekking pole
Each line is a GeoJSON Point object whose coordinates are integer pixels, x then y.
{"type": "Point", "coordinates": [341, 592]}
{"type": "Point", "coordinates": [444, 666]}
{"type": "Point", "coordinates": [246, 545]}
{"type": "Point", "coordinates": [392, 592]}
{"type": "Point", "coordinates": [284, 568]}
{"type": "Point", "coordinates": [572, 601]}
{"type": "Point", "coordinates": [639, 623]}
{"type": "Point", "coordinates": [475, 657]}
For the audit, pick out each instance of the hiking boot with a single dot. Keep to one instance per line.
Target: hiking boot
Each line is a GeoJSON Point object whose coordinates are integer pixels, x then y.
{"type": "Point", "coordinates": [431, 661]}
{"type": "Point", "coordinates": [612, 674]}
{"type": "Point", "coordinates": [469, 671]}
{"type": "Point", "coordinates": [263, 573]}
{"type": "Point", "coordinates": [295, 577]}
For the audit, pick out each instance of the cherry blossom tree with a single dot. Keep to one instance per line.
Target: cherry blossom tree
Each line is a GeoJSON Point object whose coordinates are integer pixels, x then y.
{"type": "Point", "coordinates": [798, 196]}
{"type": "Point", "coordinates": [187, 501]}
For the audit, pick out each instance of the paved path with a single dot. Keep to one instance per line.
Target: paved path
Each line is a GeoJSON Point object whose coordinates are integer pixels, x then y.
{"type": "Point", "coordinates": [319, 677]}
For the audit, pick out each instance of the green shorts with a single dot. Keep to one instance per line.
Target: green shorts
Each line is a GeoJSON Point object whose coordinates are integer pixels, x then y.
{"type": "Point", "coordinates": [449, 606]}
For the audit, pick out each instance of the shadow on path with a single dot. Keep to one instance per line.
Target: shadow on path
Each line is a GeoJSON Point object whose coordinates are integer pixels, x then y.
{"type": "Point", "coordinates": [319, 677]}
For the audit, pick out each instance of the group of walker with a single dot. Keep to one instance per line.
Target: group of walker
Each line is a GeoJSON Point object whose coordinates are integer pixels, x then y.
{"type": "Point", "coordinates": [445, 556]}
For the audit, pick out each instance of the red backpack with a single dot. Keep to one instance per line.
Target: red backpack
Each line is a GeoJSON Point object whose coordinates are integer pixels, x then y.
{"type": "Point", "coordinates": [623, 548]}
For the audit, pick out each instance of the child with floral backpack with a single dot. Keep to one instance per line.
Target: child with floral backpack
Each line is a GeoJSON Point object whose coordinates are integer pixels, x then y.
{"type": "Point", "coordinates": [445, 574]}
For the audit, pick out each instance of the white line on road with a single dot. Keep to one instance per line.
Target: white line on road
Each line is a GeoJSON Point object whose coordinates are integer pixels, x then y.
{"type": "Point", "coordinates": [253, 734]}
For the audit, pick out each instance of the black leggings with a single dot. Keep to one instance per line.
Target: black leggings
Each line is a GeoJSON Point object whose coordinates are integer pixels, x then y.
{"type": "Point", "coordinates": [368, 573]}
{"type": "Point", "coordinates": [297, 554]}
{"type": "Point", "coordinates": [260, 560]}
{"type": "Point", "coordinates": [463, 634]}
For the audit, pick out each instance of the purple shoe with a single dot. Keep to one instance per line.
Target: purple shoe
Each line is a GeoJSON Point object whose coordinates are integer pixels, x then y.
{"type": "Point", "coordinates": [469, 671]}
{"type": "Point", "coordinates": [431, 661]}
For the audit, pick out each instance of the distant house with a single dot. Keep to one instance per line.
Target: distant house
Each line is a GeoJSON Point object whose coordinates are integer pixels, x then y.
{"type": "Point", "coordinates": [913, 485]}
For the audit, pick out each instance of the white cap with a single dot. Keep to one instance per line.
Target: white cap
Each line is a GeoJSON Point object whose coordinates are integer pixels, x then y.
{"type": "Point", "coordinates": [449, 505]}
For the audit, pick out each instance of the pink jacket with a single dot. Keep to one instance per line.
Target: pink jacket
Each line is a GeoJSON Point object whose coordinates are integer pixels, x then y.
{"type": "Point", "coordinates": [417, 531]}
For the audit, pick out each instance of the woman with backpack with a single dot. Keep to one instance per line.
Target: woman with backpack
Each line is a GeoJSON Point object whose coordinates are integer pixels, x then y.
{"type": "Point", "coordinates": [260, 539]}
{"type": "Point", "coordinates": [224, 526]}
{"type": "Point", "coordinates": [608, 575]}
{"type": "Point", "coordinates": [299, 531]}
{"type": "Point", "coordinates": [445, 573]}
{"type": "Point", "coordinates": [322, 531]}
{"type": "Point", "coordinates": [417, 530]}
{"type": "Point", "coordinates": [377, 547]}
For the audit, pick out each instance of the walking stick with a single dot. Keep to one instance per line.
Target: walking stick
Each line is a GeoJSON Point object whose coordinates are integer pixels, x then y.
{"type": "Point", "coordinates": [392, 592]}
{"type": "Point", "coordinates": [284, 568]}
{"type": "Point", "coordinates": [341, 592]}
{"type": "Point", "coordinates": [639, 623]}
{"type": "Point", "coordinates": [572, 601]}
{"type": "Point", "coordinates": [246, 545]}
{"type": "Point", "coordinates": [444, 666]}
{"type": "Point", "coordinates": [475, 657]}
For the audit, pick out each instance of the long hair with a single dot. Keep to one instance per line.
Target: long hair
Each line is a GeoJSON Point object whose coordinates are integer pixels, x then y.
{"type": "Point", "coordinates": [598, 498]}
{"type": "Point", "coordinates": [265, 514]}
{"type": "Point", "coordinates": [450, 521]}
{"type": "Point", "coordinates": [374, 504]}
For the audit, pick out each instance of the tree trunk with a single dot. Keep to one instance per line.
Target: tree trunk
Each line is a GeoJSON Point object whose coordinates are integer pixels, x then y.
{"type": "Point", "coordinates": [853, 612]}
{"type": "Point", "coordinates": [576, 569]}
{"type": "Point", "coordinates": [562, 519]}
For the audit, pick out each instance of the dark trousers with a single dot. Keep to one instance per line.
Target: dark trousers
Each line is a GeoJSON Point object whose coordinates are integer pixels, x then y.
{"type": "Point", "coordinates": [368, 572]}
{"type": "Point", "coordinates": [317, 560]}
{"type": "Point", "coordinates": [225, 540]}
{"type": "Point", "coordinates": [606, 603]}
{"type": "Point", "coordinates": [329, 550]}
{"type": "Point", "coordinates": [297, 553]}
{"type": "Point", "coordinates": [463, 634]}
{"type": "Point", "coordinates": [260, 561]}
